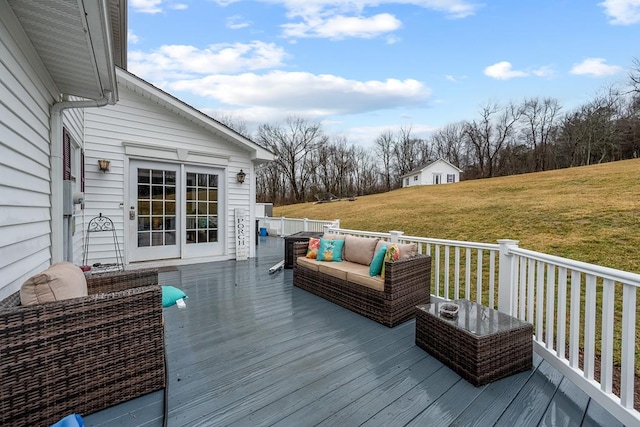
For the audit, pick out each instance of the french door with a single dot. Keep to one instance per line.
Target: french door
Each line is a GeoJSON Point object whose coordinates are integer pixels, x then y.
{"type": "Point", "coordinates": [174, 211]}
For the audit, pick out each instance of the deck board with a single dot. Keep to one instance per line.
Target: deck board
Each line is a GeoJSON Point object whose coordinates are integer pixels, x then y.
{"type": "Point", "coordinates": [251, 350]}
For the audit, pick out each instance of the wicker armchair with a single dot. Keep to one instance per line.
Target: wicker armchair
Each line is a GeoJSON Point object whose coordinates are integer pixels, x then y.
{"type": "Point", "coordinates": [84, 354]}
{"type": "Point", "coordinates": [407, 283]}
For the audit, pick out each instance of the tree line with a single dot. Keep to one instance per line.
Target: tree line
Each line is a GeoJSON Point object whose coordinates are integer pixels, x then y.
{"type": "Point", "coordinates": [503, 139]}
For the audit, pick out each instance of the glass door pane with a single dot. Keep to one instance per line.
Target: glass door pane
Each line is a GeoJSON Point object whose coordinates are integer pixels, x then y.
{"type": "Point", "coordinates": [201, 208]}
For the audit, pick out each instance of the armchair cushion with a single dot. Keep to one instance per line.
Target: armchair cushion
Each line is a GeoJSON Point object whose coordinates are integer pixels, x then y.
{"type": "Point", "coordinates": [62, 280]}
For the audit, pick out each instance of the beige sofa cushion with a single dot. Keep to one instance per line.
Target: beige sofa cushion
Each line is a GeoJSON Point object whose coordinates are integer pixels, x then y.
{"type": "Point", "coordinates": [408, 250]}
{"type": "Point", "coordinates": [345, 270]}
{"type": "Point", "coordinates": [375, 282]}
{"type": "Point", "coordinates": [63, 280]}
{"type": "Point", "coordinates": [330, 269]}
{"type": "Point", "coordinates": [359, 249]}
{"type": "Point", "coordinates": [309, 263]}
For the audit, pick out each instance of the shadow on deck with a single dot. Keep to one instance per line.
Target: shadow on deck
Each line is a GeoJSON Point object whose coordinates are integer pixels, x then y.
{"type": "Point", "coordinates": [250, 349]}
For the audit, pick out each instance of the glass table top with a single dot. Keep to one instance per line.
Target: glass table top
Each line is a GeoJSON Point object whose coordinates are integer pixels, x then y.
{"type": "Point", "coordinates": [474, 318]}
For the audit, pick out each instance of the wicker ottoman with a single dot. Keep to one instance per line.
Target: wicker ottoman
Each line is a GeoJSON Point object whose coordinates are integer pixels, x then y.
{"type": "Point", "coordinates": [482, 345]}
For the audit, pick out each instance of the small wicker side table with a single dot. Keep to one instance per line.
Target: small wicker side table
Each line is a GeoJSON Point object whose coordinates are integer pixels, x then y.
{"type": "Point", "coordinates": [481, 345]}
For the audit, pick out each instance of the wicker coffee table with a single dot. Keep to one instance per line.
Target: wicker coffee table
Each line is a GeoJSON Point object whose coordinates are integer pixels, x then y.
{"type": "Point", "coordinates": [482, 345]}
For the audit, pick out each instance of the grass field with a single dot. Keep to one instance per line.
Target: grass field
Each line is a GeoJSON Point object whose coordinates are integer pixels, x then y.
{"type": "Point", "coordinates": [589, 213]}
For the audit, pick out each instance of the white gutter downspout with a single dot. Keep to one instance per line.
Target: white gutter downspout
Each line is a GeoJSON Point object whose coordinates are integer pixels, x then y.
{"type": "Point", "coordinates": [57, 168]}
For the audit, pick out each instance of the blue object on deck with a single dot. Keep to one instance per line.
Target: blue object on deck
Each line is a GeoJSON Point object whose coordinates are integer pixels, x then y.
{"type": "Point", "coordinates": [263, 231]}
{"type": "Point", "coordinates": [73, 420]}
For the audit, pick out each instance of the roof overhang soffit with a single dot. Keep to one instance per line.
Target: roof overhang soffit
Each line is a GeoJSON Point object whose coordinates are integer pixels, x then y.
{"type": "Point", "coordinates": [73, 40]}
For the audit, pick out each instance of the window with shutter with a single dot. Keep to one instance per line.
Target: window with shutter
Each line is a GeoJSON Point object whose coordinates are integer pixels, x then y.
{"type": "Point", "coordinates": [82, 171]}
{"type": "Point", "coordinates": [66, 154]}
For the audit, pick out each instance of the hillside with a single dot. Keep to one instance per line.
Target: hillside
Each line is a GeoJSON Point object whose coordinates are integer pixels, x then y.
{"type": "Point", "coordinates": [589, 213]}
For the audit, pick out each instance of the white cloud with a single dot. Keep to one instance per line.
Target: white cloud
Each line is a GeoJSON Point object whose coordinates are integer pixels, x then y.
{"type": "Point", "coordinates": [340, 27]}
{"type": "Point", "coordinates": [454, 79]}
{"type": "Point", "coordinates": [503, 71]}
{"type": "Point", "coordinates": [546, 71]}
{"type": "Point", "coordinates": [146, 6]}
{"type": "Point", "coordinates": [337, 19]}
{"type": "Point", "coordinates": [366, 135]}
{"type": "Point", "coordinates": [393, 39]}
{"type": "Point", "coordinates": [308, 8]}
{"type": "Point", "coordinates": [622, 12]}
{"type": "Point", "coordinates": [155, 6]}
{"type": "Point", "coordinates": [131, 37]}
{"type": "Point", "coordinates": [317, 94]}
{"type": "Point", "coordinates": [224, 3]}
{"type": "Point", "coordinates": [184, 61]}
{"type": "Point", "coordinates": [595, 67]}
{"type": "Point", "coordinates": [237, 22]}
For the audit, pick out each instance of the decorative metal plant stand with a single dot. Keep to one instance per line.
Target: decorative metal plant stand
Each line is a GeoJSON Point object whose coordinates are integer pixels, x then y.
{"type": "Point", "coordinates": [103, 224]}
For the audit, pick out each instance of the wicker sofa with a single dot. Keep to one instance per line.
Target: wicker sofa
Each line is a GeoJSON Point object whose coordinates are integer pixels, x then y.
{"type": "Point", "coordinates": [389, 301]}
{"type": "Point", "coordinates": [83, 354]}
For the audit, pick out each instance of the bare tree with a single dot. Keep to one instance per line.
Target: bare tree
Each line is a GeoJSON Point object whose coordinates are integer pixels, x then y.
{"type": "Point", "coordinates": [293, 144]}
{"type": "Point", "coordinates": [365, 172]}
{"type": "Point", "coordinates": [488, 135]}
{"type": "Point", "coordinates": [540, 117]}
{"type": "Point", "coordinates": [383, 148]}
{"type": "Point", "coordinates": [406, 152]}
{"type": "Point", "coordinates": [448, 143]}
{"type": "Point", "coordinates": [634, 76]}
{"type": "Point", "coordinates": [234, 122]}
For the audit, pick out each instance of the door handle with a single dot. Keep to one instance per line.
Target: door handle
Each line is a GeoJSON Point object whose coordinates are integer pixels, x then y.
{"type": "Point", "coordinates": [132, 213]}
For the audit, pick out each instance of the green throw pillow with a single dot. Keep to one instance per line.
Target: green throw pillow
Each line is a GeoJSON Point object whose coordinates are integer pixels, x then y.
{"type": "Point", "coordinates": [170, 295]}
{"type": "Point", "coordinates": [330, 250]}
{"type": "Point", "coordinates": [378, 259]}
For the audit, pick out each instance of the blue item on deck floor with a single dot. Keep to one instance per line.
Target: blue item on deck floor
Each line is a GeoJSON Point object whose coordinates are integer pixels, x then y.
{"type": "Point", "coordinates": [73, 420]}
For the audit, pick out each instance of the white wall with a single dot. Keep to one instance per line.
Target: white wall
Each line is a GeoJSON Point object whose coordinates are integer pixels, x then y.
{"type": "Point", "coordinates": [137, 120]}
{"type": "Point", "coordinates": [24, 160]}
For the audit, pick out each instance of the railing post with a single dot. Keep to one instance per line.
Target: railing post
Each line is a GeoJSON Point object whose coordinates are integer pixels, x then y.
{"type": "Point", "coordinates": [506, 287]}
{"type": "Point", "coordinates": [395, 236]}
{"type": "Point", "coordinates": [281, 226]}
{"type": "Point", "coordinates": [336, 223]}
{"type": "Point", "coordinates": [305, 224]}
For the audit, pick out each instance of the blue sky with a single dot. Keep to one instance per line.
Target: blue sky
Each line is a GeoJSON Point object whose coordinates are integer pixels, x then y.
{"type": "Point", "coordinates": [364, 66]}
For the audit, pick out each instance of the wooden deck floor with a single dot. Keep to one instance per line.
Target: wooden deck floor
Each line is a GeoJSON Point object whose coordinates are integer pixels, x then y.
{"type": "Point", "coordinates": [252, 350]}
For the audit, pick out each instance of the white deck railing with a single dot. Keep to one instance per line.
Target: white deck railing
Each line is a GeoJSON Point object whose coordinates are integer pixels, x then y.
{"type": "Point", "coordinates": [286, 226]}
{"type": "Point", "coordinates": [547, 291]}
{"type": "Point", "coordinates": [551, 293]}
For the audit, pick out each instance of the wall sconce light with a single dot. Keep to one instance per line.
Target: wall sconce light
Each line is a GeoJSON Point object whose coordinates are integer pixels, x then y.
{"type": "Point", "coordinates": [241, 175]}
{"type": "Point", "coordinates": [103, 165]}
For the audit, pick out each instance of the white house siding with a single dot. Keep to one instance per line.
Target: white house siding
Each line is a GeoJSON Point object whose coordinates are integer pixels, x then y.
{"type": "Point", "coordinates": [137, 120]}
{"type": "Point", "coordinates": [441, 168]}
{"type": "Point", "coordinates": [24, 162]}
{"type": "Point", "coordinates": [426, 175]}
